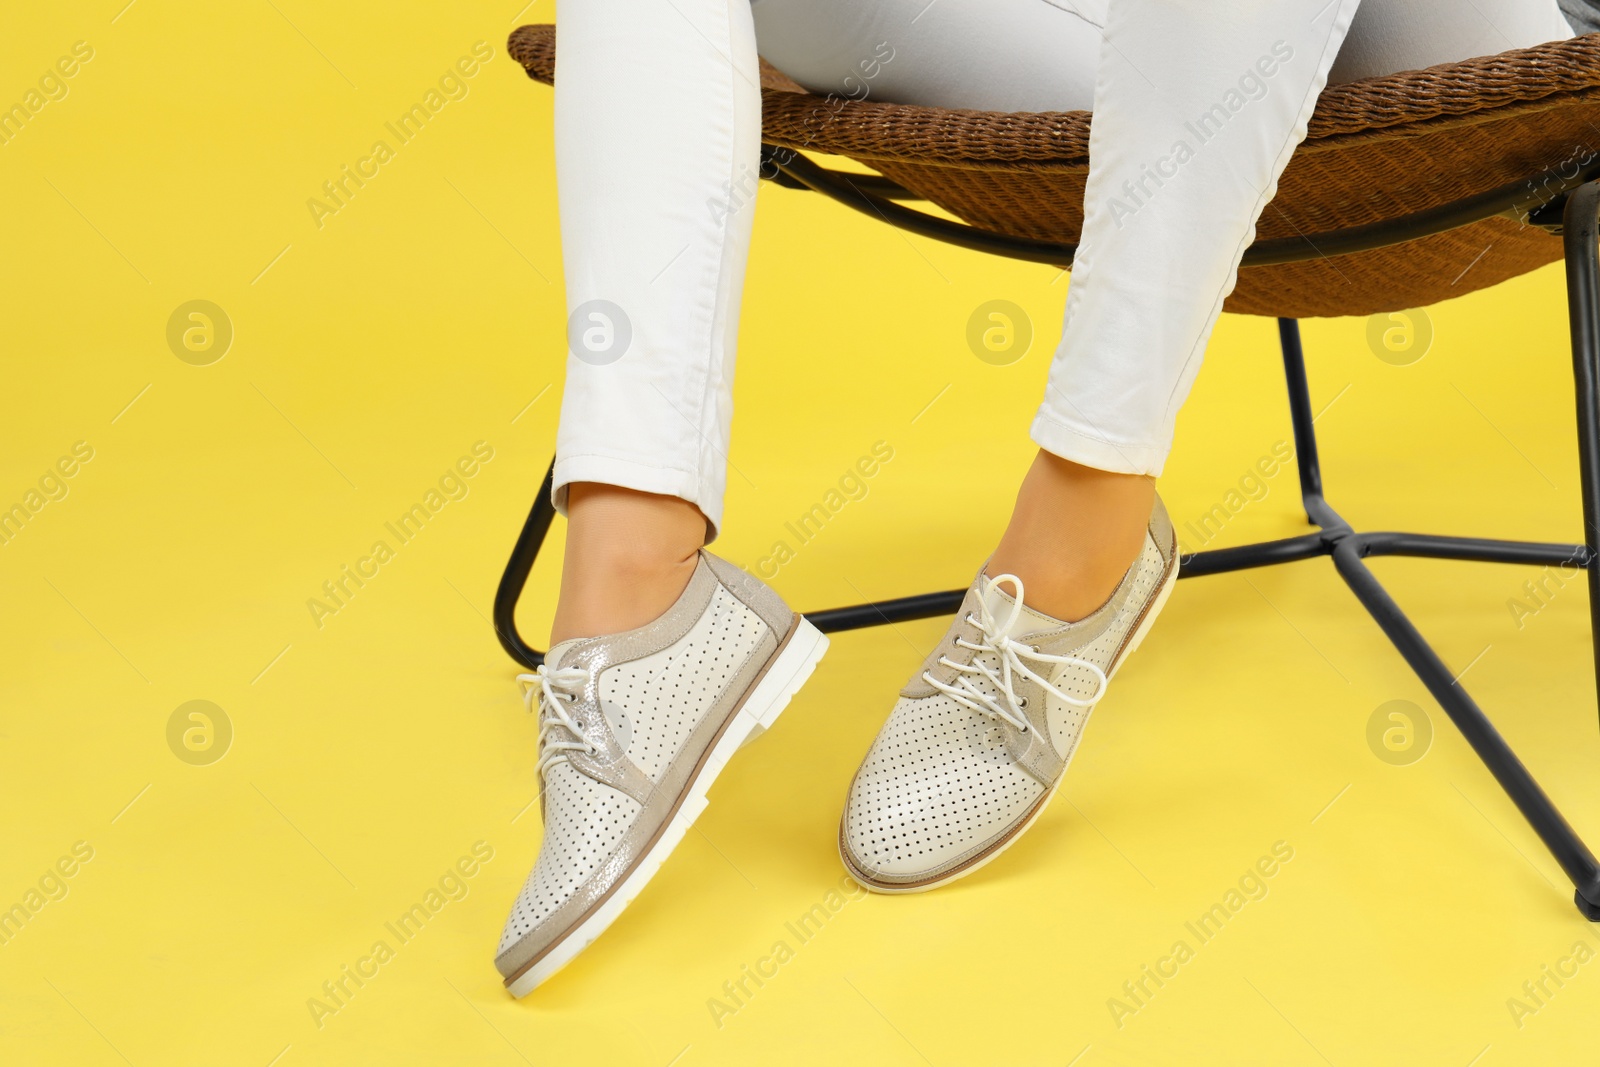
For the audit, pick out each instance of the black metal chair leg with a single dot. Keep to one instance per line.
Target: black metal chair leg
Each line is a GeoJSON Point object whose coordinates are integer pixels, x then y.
{"type": "Point", "coordinates": [1581, 234]}
{"type": "Point", "coordinates": [515, 577]}
{"type": "Point", "coordinates": [1305, 436]}
{"type": "Point", "coordinates": [1558, 836]}
{"type": "Point", "coordinates": [1349, 547]}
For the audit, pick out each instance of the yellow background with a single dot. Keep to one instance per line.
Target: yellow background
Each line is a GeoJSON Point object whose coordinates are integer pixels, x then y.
{"type": "Point", "coordinates": [372, 752]}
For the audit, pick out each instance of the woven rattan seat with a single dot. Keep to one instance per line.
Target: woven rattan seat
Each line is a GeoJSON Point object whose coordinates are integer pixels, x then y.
{"type": "Point", "coordinates": [1376, 150]}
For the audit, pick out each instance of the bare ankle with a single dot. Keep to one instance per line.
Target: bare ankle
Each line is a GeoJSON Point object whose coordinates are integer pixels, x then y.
{"type": "Point", "coordinates": [629, 556]}
{"type": "Point", "coordinates": [1073, 535]}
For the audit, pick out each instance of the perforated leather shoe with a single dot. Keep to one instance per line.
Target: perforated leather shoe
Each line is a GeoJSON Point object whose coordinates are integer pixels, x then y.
{"type": "Point", "coordinates": [981, 737]}
{"type": "Point", "coordinates": [633, 729]}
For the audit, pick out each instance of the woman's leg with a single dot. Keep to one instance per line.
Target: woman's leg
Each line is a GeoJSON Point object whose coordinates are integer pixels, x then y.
{"type": "Point", "coordinates": [1162, 236]}
{"type": "Point", "coordinates": [665, 659]}
{"type": "Point", "coordinates": [657, 125]}
{"type": "Point", "coordinates": [1196, 114]}
{"type": "Point", "coordinates": [1197, 110]}
{"type": "Point", "coordinates": [1158, 249]}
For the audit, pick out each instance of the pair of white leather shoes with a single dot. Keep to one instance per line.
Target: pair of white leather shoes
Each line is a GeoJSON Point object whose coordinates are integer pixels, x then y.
{"type": "Point", "coordinates": [634, 728]}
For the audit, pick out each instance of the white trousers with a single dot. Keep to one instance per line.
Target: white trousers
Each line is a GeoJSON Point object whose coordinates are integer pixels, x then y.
{"type": "Point", "coordinates": [1198, 107]}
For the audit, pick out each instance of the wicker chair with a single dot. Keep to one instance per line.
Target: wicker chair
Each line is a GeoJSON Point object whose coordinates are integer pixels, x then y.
{"type": "Point", "coordinates": [1408, 189]}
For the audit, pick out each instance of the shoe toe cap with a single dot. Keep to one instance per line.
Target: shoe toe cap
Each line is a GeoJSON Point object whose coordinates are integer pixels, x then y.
{"type": "Point", "coordinates": [937, 788]}
{"type": "Point", "coordinates": [584, 853]}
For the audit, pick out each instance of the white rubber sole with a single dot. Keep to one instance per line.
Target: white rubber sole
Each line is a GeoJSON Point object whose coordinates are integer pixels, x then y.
{"type": "Point", "coordinates": [1133, 646]}
{"type": "Point", "coordinates": [766, 702]}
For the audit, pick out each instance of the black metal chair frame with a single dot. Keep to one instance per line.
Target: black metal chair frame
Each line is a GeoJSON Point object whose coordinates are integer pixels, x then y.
{"type": "Point", "coordinates": [1565, 202]}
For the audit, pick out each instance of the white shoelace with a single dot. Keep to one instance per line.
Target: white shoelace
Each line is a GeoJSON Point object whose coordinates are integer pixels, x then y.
{"type": "Point", "coordinates": [558, 733]}
{"type": "Point", "coordinates": [995, 637]}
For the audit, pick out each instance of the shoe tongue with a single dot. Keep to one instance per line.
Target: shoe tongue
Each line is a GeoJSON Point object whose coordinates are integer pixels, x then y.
{"type": "Point", "coordinates": [999, 601]}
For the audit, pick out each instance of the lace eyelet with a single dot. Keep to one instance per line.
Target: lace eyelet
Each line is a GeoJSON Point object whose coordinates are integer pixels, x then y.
{"type": "Point", "coordinates": [1022, 705]}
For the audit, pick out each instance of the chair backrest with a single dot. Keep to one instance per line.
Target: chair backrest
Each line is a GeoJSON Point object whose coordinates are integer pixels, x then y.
{"type": "Point", "coordinates": [1376, 150]}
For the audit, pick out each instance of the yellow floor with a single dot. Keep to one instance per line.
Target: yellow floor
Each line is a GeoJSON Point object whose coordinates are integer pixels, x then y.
{"type": "Point", "coordinates": [372, 749]}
